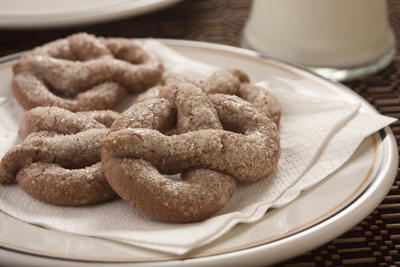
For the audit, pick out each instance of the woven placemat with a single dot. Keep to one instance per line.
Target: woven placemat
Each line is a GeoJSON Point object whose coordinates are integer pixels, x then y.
{"type": "Point", "coordinates": [373, 242]}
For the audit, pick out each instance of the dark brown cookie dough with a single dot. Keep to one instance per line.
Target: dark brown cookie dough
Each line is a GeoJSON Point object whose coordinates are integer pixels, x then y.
{"type": "Point", "coordinates": [83, 72]}
{"type": "Point", "coordinates": [137, 152]}
{"type": "Point", "coordinates": [59, 160]}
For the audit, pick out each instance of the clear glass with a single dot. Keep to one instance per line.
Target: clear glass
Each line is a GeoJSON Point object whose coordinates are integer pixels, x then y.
{"type": "Point", "coordinates": [338, 39]}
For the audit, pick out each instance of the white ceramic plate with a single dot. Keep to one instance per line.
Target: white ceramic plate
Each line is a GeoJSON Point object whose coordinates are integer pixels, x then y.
{"type": "Point", "coordinates": [317, 216]}
{"type": "Point", "coordinates": [16, 14]}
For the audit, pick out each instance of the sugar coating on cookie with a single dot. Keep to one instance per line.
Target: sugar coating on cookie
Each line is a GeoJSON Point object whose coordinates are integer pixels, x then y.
{"type": "Point", "coordinates": [220, 139]}
{"type": "Point", "coordinates": [58, 161]}
{"type": "Point", "coordinates": [83, 72]}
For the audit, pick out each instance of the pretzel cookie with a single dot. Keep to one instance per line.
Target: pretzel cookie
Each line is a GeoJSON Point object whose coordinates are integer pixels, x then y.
{"type": "Point", "coordinates": [59, 160]}
{"type": "Point", "coordinates": [220, 139]}
{"type": "Point", "coordinates": [83, 72]}
{"type": "Point", "coordinates": [230, 82]}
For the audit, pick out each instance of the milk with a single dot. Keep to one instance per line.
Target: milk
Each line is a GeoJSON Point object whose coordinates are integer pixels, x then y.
{"type": "Point", "coordinates": [320, 33]}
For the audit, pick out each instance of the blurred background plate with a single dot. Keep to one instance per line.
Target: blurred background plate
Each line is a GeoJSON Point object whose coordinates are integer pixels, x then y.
{"type": "Point", "coordinates": [19, 14]}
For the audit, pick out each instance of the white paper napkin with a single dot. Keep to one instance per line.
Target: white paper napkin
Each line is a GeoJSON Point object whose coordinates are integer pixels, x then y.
{"type": "Point", "coordinates": [317, 137]}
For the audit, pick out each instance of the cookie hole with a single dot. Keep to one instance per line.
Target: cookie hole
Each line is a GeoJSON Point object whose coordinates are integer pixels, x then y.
{"type": "Point", "coordinates": [75, 166]}
{"type": "Point", "coordinates": [65, 57]}
{"type": "Point", "coordinates": [70, 55]}
{"type": "Point", "coordinates": [132, 56]}
{"type": "Point", "coordinates": [59, 93]}
{"type": "Point", "coordinates": [66, 54]}
{"type": "Point", "coordinates": [172, 131]}
{"type": "Point", "coordinates": [175, 177]}
{"type": "Point", "coordinates": [232, 128]}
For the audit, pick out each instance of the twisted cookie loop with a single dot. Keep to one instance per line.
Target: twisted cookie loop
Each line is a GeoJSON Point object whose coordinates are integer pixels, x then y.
{"type": "Point", "coordinates": [168, 80]}
{"type": "Point", "coordinates": [31, 92]}
{"type": "Point", "coordinates": [105, 117]}
{"type": "Point", "coordinates": [201, 193]}
{"type": "Point", "coordinates": [195, 111]}
{"type": "Point", "coordinates": [85, 148]}
{"type": "Point", "coordinates": [249, 155]}
{"type": "Point", "coordinates": [236, 82]}
{"type": "Point", "coordinates": [198, 196]}
{"type": "Point", "coordinates": [63, 121]}
{"type": "Point", "coordinates": [53, 184]}
{"type": "Point", "coordinates": [83, 61]}
{"type": "Point", "coordinates": [262, 100]}
{"type": "Point", "coordinates": [157, 113]}
{"type": "Point", "coordinates": [138, 68]}
{"type": "Point", "coordinates": [59, 160]}
{"type": "Point", "coordinates": [81, 70]}
{"type": "Point", "coordinates": [225, 81]}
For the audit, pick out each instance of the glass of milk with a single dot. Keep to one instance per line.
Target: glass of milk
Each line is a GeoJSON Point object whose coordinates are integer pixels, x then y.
{"type": "Point", "coordinates": [338, 39]}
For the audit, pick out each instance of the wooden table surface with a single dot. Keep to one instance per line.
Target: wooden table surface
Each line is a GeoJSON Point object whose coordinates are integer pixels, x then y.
{"type": "Point", "coordinates": [373, 242]}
